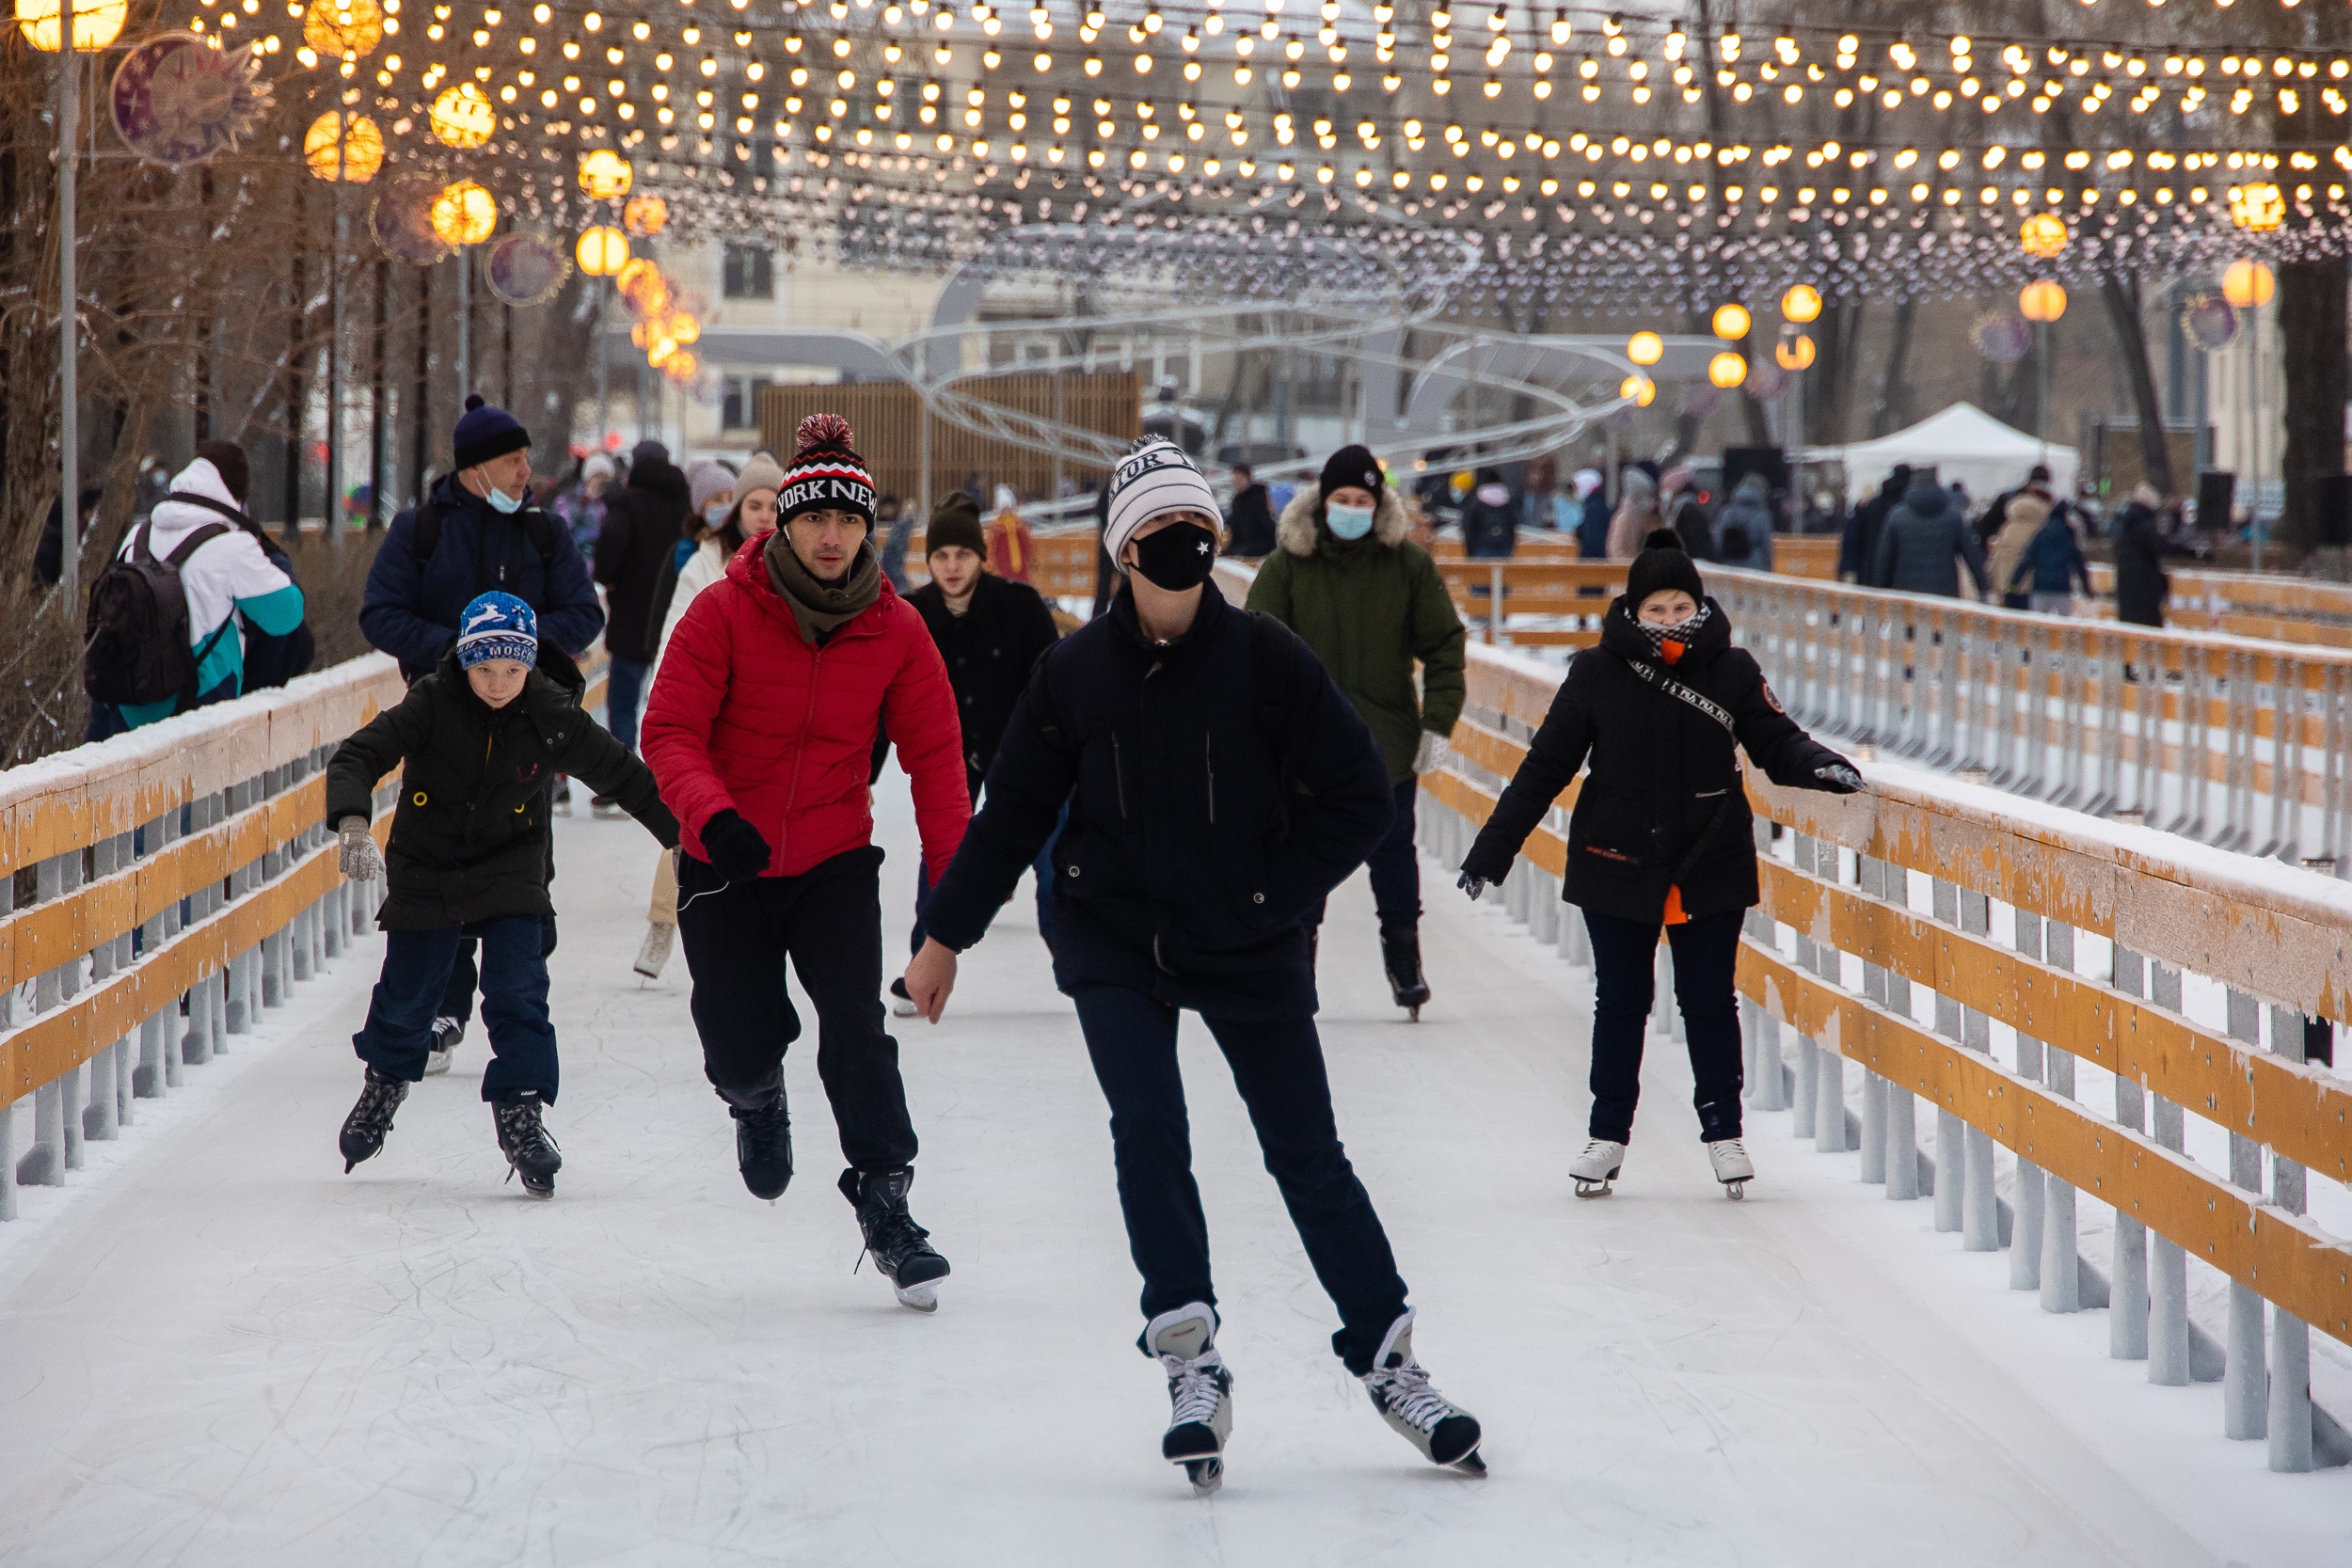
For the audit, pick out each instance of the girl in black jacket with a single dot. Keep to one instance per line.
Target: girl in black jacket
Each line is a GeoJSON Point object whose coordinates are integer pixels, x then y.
{"type": "Point", "coordinates": [1661, 836]}
{"type": "Point", "coordinates": [1219, 785]}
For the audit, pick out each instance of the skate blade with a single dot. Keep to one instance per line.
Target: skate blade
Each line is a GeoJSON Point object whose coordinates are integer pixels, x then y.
{"type": "Point", "coordinates": [1412, 1014]}
{"type": "Point", "coordinates": [436, 1062]}
{"type": "Point", "coordinates": [1206, 1475]}
{"type": "Point", "coordinates": [921, 1298]}
{"type": "Point", "coordinates": [1471, 1463]}
{"type": "Point", "coordinates": [1736, 1190]}
{"type": "Point", "coordinates": [1601, 1188]}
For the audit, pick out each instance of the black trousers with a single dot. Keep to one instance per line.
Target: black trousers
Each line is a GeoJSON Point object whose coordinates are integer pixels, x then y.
{"type": "Point", "coordinates": [1625, 954]}
{"type": "Point", "coordinates": [465, 974]}
{"type": "Point", "coordinates": [827, 922]}
{"type": "Point", "coordinates": [1279, 1068]}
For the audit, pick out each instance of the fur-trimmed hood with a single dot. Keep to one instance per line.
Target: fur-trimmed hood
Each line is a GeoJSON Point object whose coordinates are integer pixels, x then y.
{"type": "Point", "coordinates": [1295, 531]}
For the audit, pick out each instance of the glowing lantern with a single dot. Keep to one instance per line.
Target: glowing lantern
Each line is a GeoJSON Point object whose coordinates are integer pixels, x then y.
{"type": "Point", "coordinates": [347, 29]}
{"type": "Point", "coordinates": [1731, 322]}
{"type": "Point", "coordinates": [463, 117]}
{"type": "Point", "coordinates": [1645, 348]}
{"type": "Point", "coordinates": [338, 151]}
{"type": "Point", "coordinates": [2247, 285]}
{"type": "Point", "coordinates": [95, 26]}
{"type": "Point", "coordinates": [2042, 235]}
{"type": "Point", "coordinates": [602, 251]}
{"type": "Point", "coordinates": [605, 175]}
{"type": "Point", "coordinates": [2258, 208]}
{"type": "Point", "coordinates": [1794, 354]}
{"type": "Point", "coordinates": [659, 353]}
{"type": "Point", "coordinates": [1728, 369]}
{"type": "Point", "coordinates": [681, 367]}
{"type": "Point", "coordinates": [1638, 390]}
{"type": "Point", "coordinates": [2042, 300]}
{"type": "Point", "coordinates": [1801, 304]}
{"type": "Point", "coordinates": [645, 216]}
{"type": "Point", "coordinates": [683, 328]}
{"type": "Point", "coordinates": [465, 213]}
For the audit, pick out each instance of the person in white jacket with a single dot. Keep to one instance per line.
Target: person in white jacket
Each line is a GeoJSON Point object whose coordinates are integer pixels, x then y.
{"type": "Point", "coordinates": [754, 517]}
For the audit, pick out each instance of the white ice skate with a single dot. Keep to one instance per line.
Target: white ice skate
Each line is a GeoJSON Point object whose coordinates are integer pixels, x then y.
{"type": "Point", "coordinates": [1595, 1169]}
{"type": "Point", "coordinates": [655, 955]}
{"type": "Point", "coordinates": [1199, 1393]}
{"type": "Point", "coordinates": [447, 1032]}
{"type": "Point", "coordinates": [1399, 1386]}
{"type": "Point", "coordinates": [1733, 1167]}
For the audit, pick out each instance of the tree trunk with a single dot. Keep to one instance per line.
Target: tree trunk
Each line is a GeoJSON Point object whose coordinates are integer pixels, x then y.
{"type": "Point", "coordinates": [2311, 354]}
{"type": "Point", "coordinates": [1886, 415]}
{"type": "Point", "coordinates": [1829, 385]}
{"type": "Point", "coordinates": [2121, 293]}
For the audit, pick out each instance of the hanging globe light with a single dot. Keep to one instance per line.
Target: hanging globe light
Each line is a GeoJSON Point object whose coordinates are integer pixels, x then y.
{"type": "Point", "coordinates": [602, 251]}
{"type": "Point", "coordinates": [1640, 390]}
{"type": "Point", "coordinates": [645, 216]}
{"type": "Point", "coordinates": [2042, 235]}
{"type": "Point", "coordinates": [1801, 304]}
{"type": "Point", "coordinates": [1794, 354]}
{"type": "Point", "coordinates": [683, 328]}
{"type": "Point", "coordinates": [347, 29]}
{"type": "Point", "coordinates": [2042, 300]}
{"type": "Point", "coordinates": [94, 26]}
{"type": "Point", "coordinates": [465, 213]}
{"type": "Point", "coordinates": [1731, 322]}
{"type": "Point", "coordinates": [1727, 370]}
{"type": "Point", "coordinates": [605, 175]}
{"type": "Point", "coordinates": [1645, 348]}
{"type": "Point", "coordinates": [681, 367]}
{"type": "Point", "coordinates": [2247, 284]}
{"type": "Point", "coordinates": [463, 117]}
{"type": "Point", "coordinates": [336, 150]}
{"type": "Point", "coordinates": [2259, 208]}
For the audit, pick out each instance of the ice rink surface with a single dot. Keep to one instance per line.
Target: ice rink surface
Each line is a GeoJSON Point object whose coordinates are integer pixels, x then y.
{"type": "Point", "coordinates": [222, 1349]}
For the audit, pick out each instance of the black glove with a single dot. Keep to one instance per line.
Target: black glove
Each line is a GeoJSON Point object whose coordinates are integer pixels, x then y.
{"type": "Point", "coordinates": [1471, 885]}
{"type": "Point", "coordinates": [734, 847]}
{"type": "Point", "coordinates": [1842, 778]}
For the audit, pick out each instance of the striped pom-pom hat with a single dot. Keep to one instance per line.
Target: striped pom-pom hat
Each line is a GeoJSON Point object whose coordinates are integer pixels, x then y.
{"type": "Point", "coordinates": [826, 474]}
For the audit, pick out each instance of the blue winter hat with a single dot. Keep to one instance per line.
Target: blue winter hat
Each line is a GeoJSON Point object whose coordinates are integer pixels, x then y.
{"type": "Point", "coordinates": [498, 626]}
{"type": "Point", "coordinates": [485, 431]}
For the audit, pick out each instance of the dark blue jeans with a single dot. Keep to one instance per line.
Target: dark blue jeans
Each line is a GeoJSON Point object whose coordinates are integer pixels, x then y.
{"type": "Point", "coordinates": [417, 964]}
{"type": "Point", "coordinates": [1625, 971]}
{"type": "Point", "coordinates": [1279, 1068]}
{"type": "Point", "coordinates": [624, 691]}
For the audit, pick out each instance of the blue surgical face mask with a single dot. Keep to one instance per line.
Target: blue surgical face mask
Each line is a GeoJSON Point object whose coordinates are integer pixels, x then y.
{"type": "Point", "coordinates": [500, 501]}
{"type": "Point", "coordinates": [716, 512]}
{"type": "Point", "coordinates": [1348, 522]}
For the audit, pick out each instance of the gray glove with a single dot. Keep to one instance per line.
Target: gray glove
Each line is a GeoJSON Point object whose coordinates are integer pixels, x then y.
{"type": "Point", "coordinates": [1842, 778]}
{"type": "Point", "coordinates": [1471, 885]}
{"type": "Point", "coordinates": [360, 860]}
{"type": "Point", "coordinates": [1431, 754]}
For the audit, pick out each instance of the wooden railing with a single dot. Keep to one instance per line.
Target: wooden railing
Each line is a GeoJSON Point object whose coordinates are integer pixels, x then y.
{"type": "Point", "coordinates": [2100, 923]}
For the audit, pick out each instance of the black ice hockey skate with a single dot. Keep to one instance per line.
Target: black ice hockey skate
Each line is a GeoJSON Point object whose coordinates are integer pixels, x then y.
{"type": "Point", "coordinates": [1399, 1386]}
{"type": "Point", "coordinates": [447, 1032]}
{"type": "Point", "coordinates": [899, 1247]}
{"type": "Point", "coordinates": [371, 1118]}
{"type": "Point", "coordinates": [1200, 1394]}
{"type": "Point", "coordinates": [530, 1153]}
{"type": "Point", "coordinates": [763, 1150]}
{"type": "Point", "coordinates": [1399, 953]}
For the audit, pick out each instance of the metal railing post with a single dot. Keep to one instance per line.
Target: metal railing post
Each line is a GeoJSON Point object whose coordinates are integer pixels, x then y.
{"type": "Point", "coordinates": [2244, 1391]}
{"type": "Point", "coordinates": [2127, 1287]}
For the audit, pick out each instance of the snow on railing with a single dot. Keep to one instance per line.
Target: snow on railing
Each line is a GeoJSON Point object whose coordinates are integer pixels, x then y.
{"type": "Point", "coordinates": [2088, 994]}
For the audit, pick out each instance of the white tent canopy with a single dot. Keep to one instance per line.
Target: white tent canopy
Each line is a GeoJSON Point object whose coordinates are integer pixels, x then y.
{"type": "Point", "coordinates": [1963, 443]}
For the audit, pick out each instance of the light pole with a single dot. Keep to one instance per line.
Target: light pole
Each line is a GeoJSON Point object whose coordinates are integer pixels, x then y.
{"type": "Point", "coordinates": [2042, 302]}
{"type": "Point", "coordinates": [2247, 285]}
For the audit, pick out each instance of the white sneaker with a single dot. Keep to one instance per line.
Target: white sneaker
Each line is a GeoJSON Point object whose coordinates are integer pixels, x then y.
{"type": "Point", "coordinates": [1733, 1167]}
{"type": "Point", "coordinates": [1595, 1169]}
{"type": "Point", "coordinates": [1399, 1386]}
{"type": "Point", "coordinates": [1199, 1393]}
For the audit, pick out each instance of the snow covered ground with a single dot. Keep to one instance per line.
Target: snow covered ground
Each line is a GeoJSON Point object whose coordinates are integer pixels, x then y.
{"type": "Point", "coordinates": [221, 1349]}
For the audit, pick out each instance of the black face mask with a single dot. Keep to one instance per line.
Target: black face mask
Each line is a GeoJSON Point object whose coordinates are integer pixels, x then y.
{"type": "Point", "coordinates": [1178, 557]}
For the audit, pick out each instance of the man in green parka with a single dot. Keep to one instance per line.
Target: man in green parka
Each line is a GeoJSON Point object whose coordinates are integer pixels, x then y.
{"type": "Point", "coordinates": [1369, 602]}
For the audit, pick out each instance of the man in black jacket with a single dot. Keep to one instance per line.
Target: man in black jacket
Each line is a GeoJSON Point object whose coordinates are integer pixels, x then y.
{"type": "Point", "coordinates": [642, 526]}
{"type": "Point", "coordinates": [1219, 786]}
{"type": "Point", "coordinates": [991, 633]}
{"type": "Point", "coordinates": [1250, 525]}
{"type": "Point", "coordinates": [1858, 551]}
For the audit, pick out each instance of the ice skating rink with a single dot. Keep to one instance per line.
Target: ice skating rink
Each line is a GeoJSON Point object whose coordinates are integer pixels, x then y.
{"type": "Point", "coordinates": [221, 1349]}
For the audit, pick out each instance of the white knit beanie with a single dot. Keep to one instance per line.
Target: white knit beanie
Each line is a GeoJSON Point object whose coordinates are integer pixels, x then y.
{"type": "Point", "coordinates": [1154, 477]}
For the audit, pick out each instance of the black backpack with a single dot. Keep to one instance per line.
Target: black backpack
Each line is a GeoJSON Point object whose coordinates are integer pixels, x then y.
{"type": "Point", "coordinates": [426, 536]}
{"type": "Point", "coordinates": [135, 647]}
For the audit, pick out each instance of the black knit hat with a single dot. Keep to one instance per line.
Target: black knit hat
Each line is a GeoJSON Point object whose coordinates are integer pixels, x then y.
{"type": "Point", "coordinates": [1350, 465]}
{"type": "Point", "coordinates": [826, 474]}
{"type": "Point", "coordinates": [485, 431]}
{"type": "Point", "coordinates": [955, 521]}
{"type": "Point", "coordinates": [1664, 564]}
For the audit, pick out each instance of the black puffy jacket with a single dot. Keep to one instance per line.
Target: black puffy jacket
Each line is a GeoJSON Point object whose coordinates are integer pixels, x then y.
{"type": "Point", "coordinates": [1665, 791]}
{"type": "Point", "coordinates": [469, 840]}
{"type": "Point", "coordinates": [1207, 815]}
{"type": "Point", "coordinates": [989, 650]}
{"type": "Point", "coordinates": [642, 526]}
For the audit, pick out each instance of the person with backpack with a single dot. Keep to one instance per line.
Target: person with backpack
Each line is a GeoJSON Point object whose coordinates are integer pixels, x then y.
{"type": "Point", "coordinates": [2053, 562]}
{"type": "Point", "coordinates": [1370, 603]}
{"type": "Point", "coordinates": [474, 741]}
{"type": "Point", "coordinates": [1743, 528]}
{"type": "Point", "coordinates": [761, 730]}
{"type": "Point", "coordinates": [1219, 786]}
{"type": "Point", "coordinates": [1660, 838]}
{"type": "Point", "coordinates": [165, 630]}
{"type": "Point", "coordinates": [478, 531]}
{"type": "Point", "coordinates": [1925, 542]}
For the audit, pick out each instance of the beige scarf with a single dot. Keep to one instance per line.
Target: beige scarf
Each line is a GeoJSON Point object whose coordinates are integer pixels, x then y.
{"type": "Point", "coordinates": [820, 607]}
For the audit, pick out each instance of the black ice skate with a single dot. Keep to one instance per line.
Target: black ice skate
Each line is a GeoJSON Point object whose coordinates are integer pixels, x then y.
{"type": "Point", "coordinates": [763, 1150]}
{"type": "Point", "coordinates": [371, 1118]}
{"type": "Point", "coordinates": [1400, 952]}
{"type": "Point", "coordinates": [1443, 1432]}
{"type": "Point", "coordinates": [899, 1247]}
{"type": "Point", "coordinates": [530, 1153]}
{"type": "Point", "coordinates": [1199, 1393]}
{"type": "Point", "coordinates": [447, 1032]}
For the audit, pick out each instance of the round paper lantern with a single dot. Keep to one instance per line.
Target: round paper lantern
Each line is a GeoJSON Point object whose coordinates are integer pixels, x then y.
{"type": "Point", "coordinates": [1731, 322]}
{"type": "Point", "coordinates": [1645, 348]}
{"type": "Point", "coordinates": [2042, 235]}
{"type": "Point", "coordinates": [1638, 390]}
{"type": "Point", "coordinates": [681, 367]}
{"type": "Point", "coordinates": [1727, 370]}
{"type": "Point", "coordinates": [1801, 304]}
{"type": "Point", "coordinates": [94, 26]}
{"type": "Point", "coordinates": [336, 149]}
{"type": "Point", "coordinates": [463, 117]}
{"type": "Point", "coordinates": [602, 251]}
{"type": "Point", "coordinates": [683, 329]}
{"type": "Point", "coordinates": [465, 213]}
{"type": "Point", "coordinates": [645, 216]}
{"type": "Point", "coordinates": [2247, 284]}
{"type": "Point", "coordinates": [2258, 208]}
{"type": "Point", "coordinates": [2042, 300]}
{"type": "Point", "coordinates": [1794, 354]}
{"type": "Point", "coordinates": [347, 29]}
{"type": "Point", "coordinates": [605, 175]}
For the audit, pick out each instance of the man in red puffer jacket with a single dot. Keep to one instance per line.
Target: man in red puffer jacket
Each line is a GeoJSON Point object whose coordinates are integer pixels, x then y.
{"type": "Point", "coordinates": [760, 733]}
